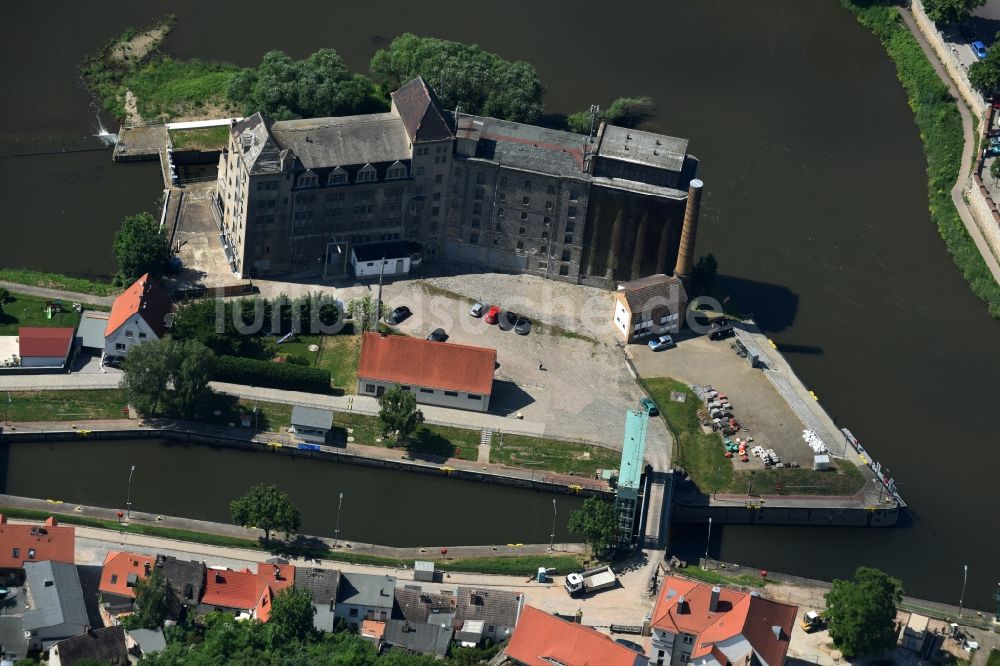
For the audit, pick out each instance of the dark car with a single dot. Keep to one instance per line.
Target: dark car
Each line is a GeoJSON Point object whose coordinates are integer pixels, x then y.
{"type": "Point", "coordinates": [508, 320]}
{"type": "Point", "coordinates": [523, 326]}
{"type": "Point", "coordinates": [114, 361]}
{"type": "Point", "coordinates": [438, 335]}
{"type": "Point", "coordinates": [399, 315]}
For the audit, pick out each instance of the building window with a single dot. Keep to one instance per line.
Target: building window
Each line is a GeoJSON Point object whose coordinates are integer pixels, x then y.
{"type": "Point", "coordinates": [503, 180]}
{"type": "Point", "coordinates": [369, 388]}
{"type": "Point", "coordinates": [502, 196]}
{"type": "Point", "coordinates": [475, 223]}
{"type": "Point", "coordinates": [520, 245]}
{"type": "Point", "coordinates": [353, 612]}
{"type": "Point", "coordinates": [478, 196]}
{"type": "Point", "coordinates": [548, 205]}
{"type": "Point", "coordinates": [524, 215]}
{"type": "Point", "coordinates": [119, 346]}
{"type": "Point", "coordinates": [520, 231]}
{"type": "Point", "coordinates": [438, 179]}
{"type": "Point", "coordinates": [451, 394]}
{"type": "Point", "coordinates": [570, 225]}
{"type": "Point", "coordinates": [128, 334]}
{"type": "Point", "coordinates": [542, 249]}
{"type": "Point", "coordinates": [420, 171]}
{"type": "Point", "coordinates": [545, 235]}
{"type": "Point", "coordinates": [568, 239]}
{"type": "Point", "coordinates": [499, 212]}
{"type": "Point", "coordinates": [687, 638]}
{"type": "Point", "coordinates": [16, 552]}
{"type": "Point", "coordinates": [426, 390]}
{"type": "Point", "coordinates": [566, 255]}
{"type": "Point", "coordinates": [473, 396]}
{"type": "Point", "coordinates": [527, 185]}
{"type": "Point", "coordinates": [551, 189]}
{"type": "Point", "coordinates": [474, 237]}
{"type": "Point", "coordinates": [142, 336]}
{"type": "Point", "coordinates": [543, 265]}
{"type": "Point", "coordinates": [404, 388]}
{"type": "Point", "coordinates": [525, 201]}
{"type": "Point", "coordinates": [572, 194]}
{"type": "Point", "coordinates": [564, 270]}
{"type": "Point", "coordinates": [31, 553]}
{"type": "Point", "coordinates": [571, 211]}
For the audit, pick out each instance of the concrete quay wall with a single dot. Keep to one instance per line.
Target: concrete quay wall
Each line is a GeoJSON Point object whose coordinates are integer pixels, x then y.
{"type": "Point", "coordinates": [813, 515]}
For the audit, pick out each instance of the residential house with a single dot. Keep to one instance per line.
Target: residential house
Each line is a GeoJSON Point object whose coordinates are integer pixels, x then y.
{"type": "Point", "coordinates": [322, 584]}
{"type": "Point", "coordinates": [119, 576]}
{"type": "Point", "coordinates": [139, 313]}
{"type": "Point", "coordinates": [54, 604]}
{"type": "Point", "coordinates": [186, 578]}
{"type": "Point", "coordinates": [142, 642]}
{"type": "Point", "coordinates": [44, 347]}
{"type": "Point", "coordinates": [418, 638]}
{"type": "Point", "coordinates": [437, 373]}
{"type": "Point", "coordinates": [311, 424]}
{"type": "Point", "coordinates": [105, 645]}
{"type": "Point", "coordinates": [654, 305]}
{"type": "Point", "coordinates": [364, 597]}
{"type": "Point", "coordinates": [247, 594]}
{"type": "Point", "coordinates": [702, 625]}
{"type": "Point", "coordinates": [20, 544]}
{"type": "Point", "coordinates": [541, 639]}
{"type": "Point", "coordinates": [416, 606]}
{"type": "Point", "coordinates": [296, 196]}
{"type": "Point", "coordinates": [486, 614]}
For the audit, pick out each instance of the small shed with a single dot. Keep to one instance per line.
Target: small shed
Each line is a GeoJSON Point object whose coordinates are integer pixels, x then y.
{"type": "Point", "coordinates": [424, 571]}
{"type": "Point", "coordinates": [396, 257]}
{"type": "Point", "coordinates": [90, 332]}
{"type": "Point", "coordinates": [821, 462]}
{"type": "Point", "coordinates": [915, 632]}
{"type": "Point", "coordinates": [44, 347]}
{"type": "Point", "coordinates": [311, 424]}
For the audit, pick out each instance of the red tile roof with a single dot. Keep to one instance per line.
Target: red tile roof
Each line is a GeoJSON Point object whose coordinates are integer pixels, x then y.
{"type": "Point", "coordinates": [414, 362]}
{"type": "Point", "coordinates": [50, 541]}
{"type": "Point", "coordinates": [736, 614]}
{"type": "Point", "coordinates": [231, 589]}
{"type": "Point", "coordinates": [118, 567]}
{"type": "Point", "coordinates": [144, 297]}
{"type": "Point", "coordinates": [44, 341]}
{"type": "Point", "coordinates": [420, 111]}
{"type": "Point", "coordinates": [541, 639]}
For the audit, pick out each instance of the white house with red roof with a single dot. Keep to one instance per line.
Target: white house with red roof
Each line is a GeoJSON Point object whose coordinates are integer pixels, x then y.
{"type": "Point", "coordinates": [138, 314]}
{"type": "Point", "coordinates": [44, 347]}
{"type": "Point", "coordinates": [541, 639]}
{"type": "Point", "coordinates": [701, 625]}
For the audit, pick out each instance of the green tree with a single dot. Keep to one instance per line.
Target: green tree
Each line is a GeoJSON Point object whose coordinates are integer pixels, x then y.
{"type": "Point", "coordinates": [861, 613]}
{"type": "Point", "coordinates": [704, 272]}
{"type": "Point", "coordinates": [266, 508]}
{"type": "Point", "coordinates": [154, 601]}
{"type": "Point", "coordinates": [597, 522]}
{"type": "Point", "coordinates": [463, 75]}
{"type": "Point", "coordinates": [995, 170]}
{"type": "Point", "coordinates": [4, 295]}
{"type": "Point", "coordinates": [141, 247]}
{"type": "Point", "coordinates": [145, 376]}
{"type": "Point", "coordinates": [291, 616]}
{"type": "Point", "coordinates": [397, 409]}
{"type": "Point", "coordinates": [623, 112]}
{"type": "Point", "coordinates": [950, 11]}
{"type": "Point", "coordinates": [984, 75]}
{"type": "Point", "coordinates": [365, 312]}
{"type": "Point", "coordinates": [192, 365]}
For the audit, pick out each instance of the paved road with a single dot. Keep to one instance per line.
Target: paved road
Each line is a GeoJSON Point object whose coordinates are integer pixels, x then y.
{"type": "Point", "coordinates": [968, 131]}
{"type": "Point", "coordinates": [44, 292]}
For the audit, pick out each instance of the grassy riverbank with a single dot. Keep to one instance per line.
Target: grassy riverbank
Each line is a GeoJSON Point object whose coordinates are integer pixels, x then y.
{"type": "Point", "coordinates": [701, 454]}
{"type": "Point", "coordinates": [57, 281]}
{"type": "Point", "coordinates": [940, 124]}
{"type": "Point", "coordinates": [514, 565]}
{"type": "Point", "coordinates": [20, 310]}
{"type": "Point", "coordinates": [73, 406]}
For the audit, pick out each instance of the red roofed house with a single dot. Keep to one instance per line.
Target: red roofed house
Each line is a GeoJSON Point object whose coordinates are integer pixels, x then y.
{"type": "Point", "coordinates": [119, 576]}
{"type": "Point", "coordinates": [249, 593]}
{"type": "Point", "coordinates": [35, 543]}
{"type": "Point", "coordinates": [698, 624]}
{"type": "Point", "coordinates": [44, 347]}
{"type": "Point", "coordinates": [138, 314]}
{"type": "Point", "coordinates": [438, 373]}
{"type": "Point", "coordinates": [541, 639]}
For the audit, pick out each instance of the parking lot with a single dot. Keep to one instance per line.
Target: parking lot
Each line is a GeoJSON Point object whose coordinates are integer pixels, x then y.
{"type": "Point", "coordinates": [756, 403]}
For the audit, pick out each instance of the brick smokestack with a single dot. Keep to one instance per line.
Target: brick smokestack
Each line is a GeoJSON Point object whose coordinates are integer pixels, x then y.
{"type": "Point", "coordinates": [685, 253]}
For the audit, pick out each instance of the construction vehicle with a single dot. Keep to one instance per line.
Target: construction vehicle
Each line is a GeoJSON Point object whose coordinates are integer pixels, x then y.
{"type": "Point", "coordinates": [812, 621]}
{"type": "Point", "coordinates": [591, 580]}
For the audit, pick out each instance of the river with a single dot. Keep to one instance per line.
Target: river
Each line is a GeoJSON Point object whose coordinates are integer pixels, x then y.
{"type": "Point", "coordinates": [815, 207]}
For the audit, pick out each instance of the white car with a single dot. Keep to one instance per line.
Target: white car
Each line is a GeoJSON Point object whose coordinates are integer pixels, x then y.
{"type": "Point", "coordinates": [478, 310]}
{"type": "Point", "coordinates": [661, 342]}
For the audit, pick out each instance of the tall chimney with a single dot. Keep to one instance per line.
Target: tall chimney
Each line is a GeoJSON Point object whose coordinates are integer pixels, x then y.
{"type": "Point", "coordinates": [713, 604]}
{"type": "Point", "coordinates": [685, 253]}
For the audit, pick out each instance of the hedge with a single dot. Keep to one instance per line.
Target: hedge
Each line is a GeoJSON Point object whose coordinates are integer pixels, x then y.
{"type": "Point", "coordinates": [251, 372]}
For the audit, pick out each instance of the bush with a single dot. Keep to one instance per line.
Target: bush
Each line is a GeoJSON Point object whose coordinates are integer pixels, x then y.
{"type": "Point", "coordinates": [251, 372]}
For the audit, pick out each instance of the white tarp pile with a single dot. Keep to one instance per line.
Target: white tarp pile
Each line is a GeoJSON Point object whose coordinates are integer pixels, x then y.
{"type": "Point", "coordinates": [814, 442]}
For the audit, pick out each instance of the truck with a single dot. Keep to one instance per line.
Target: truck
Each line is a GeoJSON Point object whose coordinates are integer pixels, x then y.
{"type": "Point", "coordinates": [812, 621]}
{"type": "Point", "coordinates": [591, 580]}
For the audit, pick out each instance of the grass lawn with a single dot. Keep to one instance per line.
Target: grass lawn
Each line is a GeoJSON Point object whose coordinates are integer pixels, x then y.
{"type": "Point", "coordinates": [715, 578]}
{"type": "Point", "coordinates": [174, 87]}
{"type": "Point", "coordinates": [270, 417]}
{"type": "Point", "coordinates": [56, 281]}
{"type": "Point", "coordinates": [339, 354]}
{"type": "Point", "coordinates": [994, 658]}
{"type": "Point", "coordinates": [553, 455]}
{"type": "Point", "coordinates": [203, 138]}
{"type": "Point", "coordinates": [429, 440]}
{"type": "Point", "coordinates": [65, 405]}
{"type": "Point", "coordinates": [30, 311]}
{"type": "Point", "coordinates": [701, 455]}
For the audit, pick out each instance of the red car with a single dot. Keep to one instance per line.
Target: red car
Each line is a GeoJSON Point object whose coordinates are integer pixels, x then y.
{"type": "Point", "coordinates": [492, 315]}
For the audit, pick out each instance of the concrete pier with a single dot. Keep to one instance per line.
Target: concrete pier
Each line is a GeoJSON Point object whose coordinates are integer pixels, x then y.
{"type": "Point", "coordinates": [139, 143]}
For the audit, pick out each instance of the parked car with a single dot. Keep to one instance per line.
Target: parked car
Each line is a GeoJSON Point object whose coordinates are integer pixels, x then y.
{"type": "Point", "coordinates": [979, 49]}
{"type": "Point", "coordinates": [478, 310]}
{"type": "Point", "coordinates": [114, 361]}
{"type": "Point", "coordinates": [493, 315]}
{"type": "Point", "coordinates": [661, 342]}
{"type": "Point", "coordinates": [399, 315]}
{"type": "Point", "coordinates": [508, 320]}
{"type": "Point", "coordinates": [438, 335]}
{"type": "Point", "coordinates": [523, 326]}
{"type": "Point", "coordinates": [649, 406]}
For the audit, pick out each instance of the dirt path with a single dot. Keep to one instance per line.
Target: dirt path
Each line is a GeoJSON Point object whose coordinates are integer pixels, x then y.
{"type": "Point", "coordinates": [968, 130]}
{"type": "Point", "coordinates": [45, 292]}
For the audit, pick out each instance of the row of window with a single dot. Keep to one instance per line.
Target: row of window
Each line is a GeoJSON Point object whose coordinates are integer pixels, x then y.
{"type": "Point", "coordinates": [550, 188]}
{"type": "Point", "coordinates": [370, 388]}
{"type": "Point", "coordinates": [366, 174]}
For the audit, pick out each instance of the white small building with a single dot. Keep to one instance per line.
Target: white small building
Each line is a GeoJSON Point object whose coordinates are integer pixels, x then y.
{"type": "Point", "coordinates": [438, 373]}
{"type": "Point", "coordinates": [397, 256]}
{"type": "Point", "coordinates": [139, 314]}
{"type": "Point", "coordinates": [311, 424]}
{"type": "Point", "coordinates": [653, 305]}
{"type": "Point", "coordinates": [44, 347]}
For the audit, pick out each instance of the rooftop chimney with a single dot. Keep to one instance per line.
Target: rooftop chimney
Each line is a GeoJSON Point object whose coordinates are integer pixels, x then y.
{"type": "Point", "coordinates": [685, 252]}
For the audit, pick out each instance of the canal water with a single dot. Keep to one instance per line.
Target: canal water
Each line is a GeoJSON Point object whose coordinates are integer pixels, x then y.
{"type": "Point", "coordinates": [387, 507]}
{"type": "Point", "coordinates": [815, 206]}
